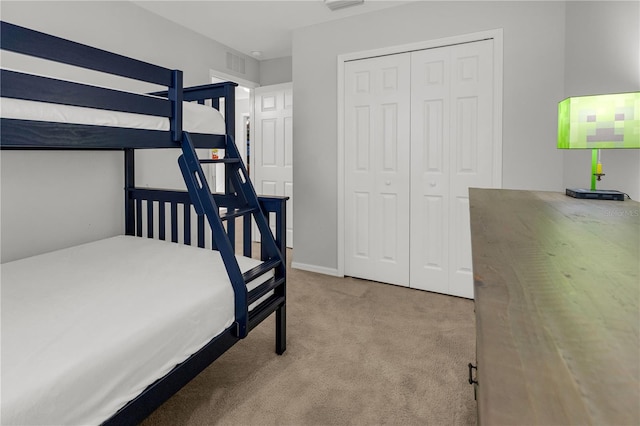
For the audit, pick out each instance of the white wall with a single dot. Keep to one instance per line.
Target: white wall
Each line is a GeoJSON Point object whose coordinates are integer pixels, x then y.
{"type": "Point", "coordinates": [603, 56]}
{"type": "Point", "coordinates": [533, 85]}
{"type": "Point", "coordinates": [52, 200]}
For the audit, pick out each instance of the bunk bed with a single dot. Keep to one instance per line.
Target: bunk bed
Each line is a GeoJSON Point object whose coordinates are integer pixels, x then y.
{"type": "Point", "coordinates": [105, 332]}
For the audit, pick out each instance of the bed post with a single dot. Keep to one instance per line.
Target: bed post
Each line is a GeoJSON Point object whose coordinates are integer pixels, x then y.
{"type": "Point", "coordinates": [129, 184]}
{"type": "Point", "coordinates": [230, 128]}
{"type": "Point", "coordinates": [281, 328]}
{"type": "Point", "coordinates": [230, 109]}
{"type": "Point", "coordinates": [281, 312]}
{"type": "Point", "coordinates": [278, 205]}
{"type": "Point", "coordinates": [176, 97]}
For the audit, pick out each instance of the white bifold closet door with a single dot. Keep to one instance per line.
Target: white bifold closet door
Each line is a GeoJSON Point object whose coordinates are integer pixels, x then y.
{"type": "Point", "coordinates": [442, 145]}
{"type": "Point", "coordinates": [377, 129]}
{"type": "Point", "coordinates": [451, 150]}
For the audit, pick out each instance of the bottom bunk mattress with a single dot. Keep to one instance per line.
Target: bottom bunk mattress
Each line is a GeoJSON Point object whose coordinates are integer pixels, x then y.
{"type": "Point", "coordinates": [88, 328]}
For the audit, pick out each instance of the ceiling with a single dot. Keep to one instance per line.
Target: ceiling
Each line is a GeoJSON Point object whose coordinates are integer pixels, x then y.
{"type": "Point", "coordinates": [249, 26]}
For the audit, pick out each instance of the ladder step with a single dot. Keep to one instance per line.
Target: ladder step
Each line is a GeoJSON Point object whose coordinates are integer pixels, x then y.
{"type": "Point", "coordinates": [219, 160]}
{"type": "Point", "coordinates": [265, 309]}
{"type": "Point", "coordinates": [231, 213]}
{"type": "Point", "coordinates": [263, 289]}
{"type": "Point", "coordinates": [262, 268]}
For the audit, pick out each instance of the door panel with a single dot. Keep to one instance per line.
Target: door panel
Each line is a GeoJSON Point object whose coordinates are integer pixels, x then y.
{"type": "Point", "coordinates": [472, 143]}
{"type": "Point", "coordinates": [268, 139]}
{"type": "Point", "coordinates": [272, 149]}
{"type": "Point", "coordinates": [451, 149]}
{"type": "Point", "coordinates": [362, 203]}
{"type": "Point", "coordinates": [376, 177]}
{"type": "Point", "coordinates": [430, 159]}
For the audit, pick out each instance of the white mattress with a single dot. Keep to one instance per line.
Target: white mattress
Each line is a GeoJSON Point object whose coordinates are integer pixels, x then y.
{"type": "Point", "coordinates": [86, 329]}
{"type": "Point", "coordinates": [196, 118]}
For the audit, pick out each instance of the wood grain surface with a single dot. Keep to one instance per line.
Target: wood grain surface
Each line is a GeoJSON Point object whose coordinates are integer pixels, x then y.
{"type": "Point", "coordinates": [557, 285]}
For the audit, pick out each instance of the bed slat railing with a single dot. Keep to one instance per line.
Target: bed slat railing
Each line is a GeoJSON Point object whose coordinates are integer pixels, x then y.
{"type": "Point", "coordinates": [25, 86]}
{"type": "Point", "coordinates": [150, 220]}
{"type": "Point", "coordinates": [138, 218]}
{"type": "Point", "coordinates": [186, 229]}
{"type": "Point", "coordinates": [200, 232]}
{"type": "Point", "coordinates": [174, 223]}
{"type": "Point", "coordinates": [30, 87]}
{"type": "Point", "coordinates": [34, 43]}
{"type": "Point", "coordinates": [162, 221]}
{"type": "Point", "coordinates": [154, 220]}
{"type": "Point", "coordinates": [24, 134]}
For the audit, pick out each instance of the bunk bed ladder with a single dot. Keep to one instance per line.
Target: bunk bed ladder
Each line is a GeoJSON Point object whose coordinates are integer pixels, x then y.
{"type": "Point", "coordinates": [240, 199]}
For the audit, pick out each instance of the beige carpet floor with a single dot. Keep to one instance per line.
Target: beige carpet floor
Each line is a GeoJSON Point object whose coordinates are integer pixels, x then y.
{"type": "Point", "coordinates": [358, 353]}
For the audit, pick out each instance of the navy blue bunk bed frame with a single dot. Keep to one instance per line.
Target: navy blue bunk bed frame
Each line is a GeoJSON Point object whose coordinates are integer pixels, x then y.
{"type": "Point", "coordinates": [238, 200]}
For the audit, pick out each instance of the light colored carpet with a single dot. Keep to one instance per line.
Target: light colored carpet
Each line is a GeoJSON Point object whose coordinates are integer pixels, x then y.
{"type": "Point", "coordinates": [358, 352]}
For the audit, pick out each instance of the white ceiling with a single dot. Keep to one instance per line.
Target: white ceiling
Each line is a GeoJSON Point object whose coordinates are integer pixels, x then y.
{"type": "Point", "coordinates": [255, 25]}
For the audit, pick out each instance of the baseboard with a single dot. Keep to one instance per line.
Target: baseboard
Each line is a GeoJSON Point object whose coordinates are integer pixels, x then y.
{"type": "Point", "coordinates": [318, 269]}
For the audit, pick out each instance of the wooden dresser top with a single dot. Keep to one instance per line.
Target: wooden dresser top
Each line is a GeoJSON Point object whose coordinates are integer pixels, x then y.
{"type": "Point", "coordinates": [557, 286]}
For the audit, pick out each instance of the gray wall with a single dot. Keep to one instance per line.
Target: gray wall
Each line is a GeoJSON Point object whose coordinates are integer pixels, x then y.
{"type": "Point", "coordinates": [51, 200]}
{"type": "Point", "coordinates": [600, 41]}
{"type": "Point", "coordinates": [125, 28]}
{"type": "Point", "coordinates": [603, 56]}
{"type": "Point", "coordinates": [534, 50]}
{"type": "Point", "coordinates": [276, 71]}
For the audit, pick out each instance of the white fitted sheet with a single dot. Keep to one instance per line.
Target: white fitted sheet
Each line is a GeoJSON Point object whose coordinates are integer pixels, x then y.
{"type": "Point", "coordinates": [88, 328]}
{"type": "Point", "coordinates": [196, 118]}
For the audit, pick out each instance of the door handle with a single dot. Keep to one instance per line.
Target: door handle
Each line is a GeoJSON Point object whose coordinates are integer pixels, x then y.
{"type": "Point", "coordinates": [471, 379]}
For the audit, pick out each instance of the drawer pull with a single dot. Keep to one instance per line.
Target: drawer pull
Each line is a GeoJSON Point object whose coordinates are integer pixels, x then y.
{"type": "Point", "coordinates": [471, 379]}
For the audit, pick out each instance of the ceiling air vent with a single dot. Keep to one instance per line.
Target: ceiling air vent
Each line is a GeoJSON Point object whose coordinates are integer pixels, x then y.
{"type": "Point", "coordinates": [340, 4]}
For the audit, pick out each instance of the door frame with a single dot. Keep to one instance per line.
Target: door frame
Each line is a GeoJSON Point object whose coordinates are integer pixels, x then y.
{"type": "Point", "coordinates": [496, 35]}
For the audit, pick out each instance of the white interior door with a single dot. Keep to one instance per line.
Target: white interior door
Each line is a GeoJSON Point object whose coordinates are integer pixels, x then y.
{"type": "Point", "coordinates": [451, 150]}
{"type": "Point", "coordinates": [272, 145]}
{"type": "Point", "coordinates": [377, 137]}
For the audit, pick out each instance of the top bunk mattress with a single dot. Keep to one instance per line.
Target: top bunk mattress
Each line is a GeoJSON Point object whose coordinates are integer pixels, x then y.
{"type": "Point", "coordinates": [88, 328]}
{"type": "Point", "coordinates": [196, 118]}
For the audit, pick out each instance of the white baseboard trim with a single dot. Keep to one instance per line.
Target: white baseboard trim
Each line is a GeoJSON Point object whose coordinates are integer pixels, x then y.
{"type": "Point", "coordinates": [314, 268]}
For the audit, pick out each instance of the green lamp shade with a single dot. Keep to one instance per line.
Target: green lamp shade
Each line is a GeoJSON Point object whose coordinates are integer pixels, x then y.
{"type": "Point", "coordinates": [599, 122]}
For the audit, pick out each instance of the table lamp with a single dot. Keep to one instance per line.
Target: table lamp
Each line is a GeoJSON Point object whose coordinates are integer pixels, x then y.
{"type": "Point", "coordinates": [599, 122]}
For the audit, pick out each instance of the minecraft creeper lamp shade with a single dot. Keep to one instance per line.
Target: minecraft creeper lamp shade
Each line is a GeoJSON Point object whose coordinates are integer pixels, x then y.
{"type": "Point", "coordinates": [599, 122]}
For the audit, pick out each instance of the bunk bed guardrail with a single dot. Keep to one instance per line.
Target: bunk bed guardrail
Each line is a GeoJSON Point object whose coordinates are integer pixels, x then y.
{"type": "Point", "coordinates": [31, 87]}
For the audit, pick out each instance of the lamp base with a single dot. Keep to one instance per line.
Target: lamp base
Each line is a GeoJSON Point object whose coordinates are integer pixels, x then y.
{"type": "Point", "coordinates": [598, 194]}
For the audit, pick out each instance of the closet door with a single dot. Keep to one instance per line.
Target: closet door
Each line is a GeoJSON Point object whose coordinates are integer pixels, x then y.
{"type": "Point", "coordinates": [377, 137]}
{"type": "Point", "coordinates": [451, 150]}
